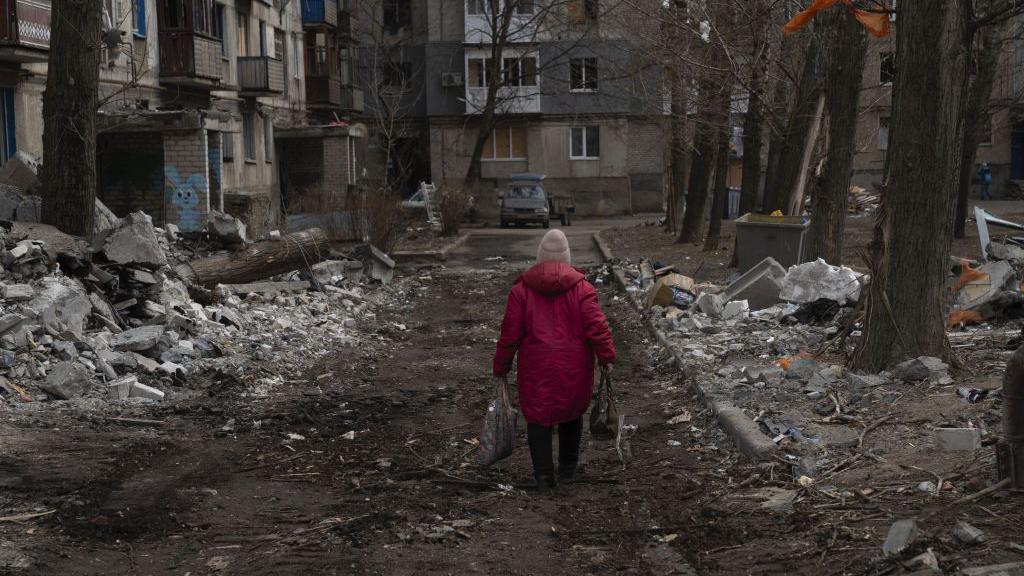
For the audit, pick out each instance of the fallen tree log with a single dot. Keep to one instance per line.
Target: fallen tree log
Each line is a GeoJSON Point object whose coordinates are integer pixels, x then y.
{"type": "Point", "coordinates": [258, 261]}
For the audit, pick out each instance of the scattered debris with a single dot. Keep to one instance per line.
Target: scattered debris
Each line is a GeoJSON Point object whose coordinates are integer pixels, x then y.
{"type": "Point", "coordinates": [818, 280]}
{"type": "Point", "coordinates": [901, 535]}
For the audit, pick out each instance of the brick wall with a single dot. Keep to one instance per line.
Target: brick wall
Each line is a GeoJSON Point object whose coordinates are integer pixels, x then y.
{"type": "Point", "coordinates": [336, 170]}
{"type": "Point", "coordinates": [186, 179]}
{"type": "Point", "coordinates": [130, 173]}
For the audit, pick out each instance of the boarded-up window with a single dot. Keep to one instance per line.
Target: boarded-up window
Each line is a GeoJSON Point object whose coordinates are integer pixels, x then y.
{"type": "Point", "coordinates": [478, 72]}
{"type": "Point", "coordinates": [506, 143]}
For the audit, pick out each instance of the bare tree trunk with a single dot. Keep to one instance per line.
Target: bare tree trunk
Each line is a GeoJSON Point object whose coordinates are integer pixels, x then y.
{"type": "Point", "coordinates": [975, 115]}
{"type": "Point", "coordinates": [701, 165]}
{"type": "Point", "coordinates": [678, 152]}
{"type": "Point", "coordinates": [258, 261]}
{"type": "Point", "coordinates": [752, 139]}
{"type": "Point", "coordinates": [69, 116]}
{"type": "Point", "coordinates": [792, 142]}
{"type": "Point", "coordinates": [720, 193]}
{"type": "Point", "coordinates": [753, 120]}
{"type": "Point", "coordinates": [795, 203]}
{"type": "Point", "coordinates": [845, 48]}
{"type": "Point", "coordinates": [904, 307]}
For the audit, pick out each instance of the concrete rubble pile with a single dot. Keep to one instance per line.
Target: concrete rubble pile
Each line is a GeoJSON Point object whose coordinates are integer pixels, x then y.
{"type": "Point", "coordinates": [772, 343]}
{"type": "Point", "coordinates": [112, 322]}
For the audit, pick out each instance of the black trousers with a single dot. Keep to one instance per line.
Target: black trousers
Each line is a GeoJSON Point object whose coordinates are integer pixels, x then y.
{"type": "Point", "coordinates": [539, 438]}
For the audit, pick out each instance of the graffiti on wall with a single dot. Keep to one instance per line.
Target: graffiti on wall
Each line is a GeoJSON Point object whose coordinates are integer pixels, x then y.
{"type": "Point", "coordinates": [183, 199]}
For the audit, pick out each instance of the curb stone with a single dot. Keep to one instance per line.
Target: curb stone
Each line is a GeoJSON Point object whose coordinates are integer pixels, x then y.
{"type": "Point", "coordinates": [732, 420]}
{"type": "Point", "coordinates": [405, 256]}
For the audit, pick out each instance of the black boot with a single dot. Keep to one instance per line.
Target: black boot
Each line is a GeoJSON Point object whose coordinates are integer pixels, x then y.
{"type": "Point", "coordinates": [539, 439]}
{"type": "Point", "coordinates": [569, 435]}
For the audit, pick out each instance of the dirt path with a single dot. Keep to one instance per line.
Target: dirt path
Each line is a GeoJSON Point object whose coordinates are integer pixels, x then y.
{"type": "Point", "coordinates": [230, 484]}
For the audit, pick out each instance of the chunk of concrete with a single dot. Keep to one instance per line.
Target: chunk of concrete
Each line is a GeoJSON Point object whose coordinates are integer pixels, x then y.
{"type": "Point", "coordinates": [121, 388]}
{"type": "Point", "coordinates": [9, 322]}
{"type": "Point", "coordinates": [901, 535]}
{"type": "Point", "coordinates": [67, 380]}
{"type": "Point", "coordinates": [736, 310]}
{"type": "Point", "coordinates": [818, 280]}
{"type": "Point", "coordinates": [137, 339]}
{"type": "Point", "coordinates": [919, 368]}
{"type": "Point", "coordinates": [957, 439]}
{"type": "Point", "coordinates": [17, 292]}
{"type": "Point", "coordinates": [135, 242]}
{"type": "Point", "coordinates": [60, 300]}
{"type": "Point", "coordinates": [104, 220]}
{"type": "Point", "coordinates": [1008, 252]}
{"type": "Point", "coordinates": [22, 171]}
{"type": "Point", "coordinates": [376, 264]}
{"type": "Point", "coordinates": [226, 228]}
{"type": "Point", "coordinates": [709, 304]}
{"type": "Point", "coordinates": [968, 534]}
{"type": "Point", "coordinates": [759, 286]}
{"type": "Point", "coordinates": [140, 390]}
{"type": "Point", "coordinates": [863, 382]}
{"type": "Point", "coordinates": [802, 369]}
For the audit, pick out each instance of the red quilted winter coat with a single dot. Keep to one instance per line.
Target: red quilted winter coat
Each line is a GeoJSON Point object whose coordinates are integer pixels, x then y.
{"type": "Point", "coordinates": [554, 321]}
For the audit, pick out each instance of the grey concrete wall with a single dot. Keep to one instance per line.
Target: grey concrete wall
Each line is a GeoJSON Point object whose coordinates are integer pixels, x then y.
{"type": "Point", "coordinates": [441, 57]}
{"type": "Point", "coordinates": [613, 95]}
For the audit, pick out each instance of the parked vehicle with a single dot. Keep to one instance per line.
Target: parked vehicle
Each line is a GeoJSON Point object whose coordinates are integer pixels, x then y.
{"type": "Point", "coordinates": [526, 202]}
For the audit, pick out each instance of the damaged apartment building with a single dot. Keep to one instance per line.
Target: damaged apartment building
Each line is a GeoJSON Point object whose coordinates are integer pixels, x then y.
{"type": "Point", "coordinates": [201, 103]}
{"type": "Point", "coordinates": [579, 99]}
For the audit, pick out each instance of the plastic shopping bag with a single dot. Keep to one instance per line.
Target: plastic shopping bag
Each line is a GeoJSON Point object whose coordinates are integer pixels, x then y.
{"type": "Point", "coordinates": [604, 417]}
{"type": "Point", "coordinates": [498, 435]}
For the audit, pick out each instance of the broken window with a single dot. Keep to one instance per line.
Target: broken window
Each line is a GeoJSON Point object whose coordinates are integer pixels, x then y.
{"type": "Point", "coordinates": [506, 143]}
{"type": "Point", "coordinates": [585, 142]}
{"type": "Point", "coordinates": [583, 74]}
{"type": "Point", "coordinates": [249, 136]}
{"type": "Point", "coordinates": [396, 15]}
{"type": "Point", "coordinates": [887, 68]}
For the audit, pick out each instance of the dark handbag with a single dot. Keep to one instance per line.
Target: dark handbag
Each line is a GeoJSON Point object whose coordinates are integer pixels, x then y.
{"type": "Point", "coordinates": [604, 417]}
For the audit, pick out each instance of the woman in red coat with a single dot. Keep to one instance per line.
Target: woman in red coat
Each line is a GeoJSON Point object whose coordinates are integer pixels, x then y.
{"type": "Point", "coordinates": [554, 322]}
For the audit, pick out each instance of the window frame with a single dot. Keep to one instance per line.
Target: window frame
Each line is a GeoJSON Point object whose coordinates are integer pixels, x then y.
{"type": "Point", "coordinates": [492, 139]}
{"type": "Point", "coordinates": [585, 63]}
{"type": "Point", "coordinates": [401, 10]}
{"type": "Point", "coordinates": [584, 142]}
{"type": "Point", "coordinates": [139, 18]}
{"type": "Point", "coordinates": [227, 146]}
{"type": "Point", "coordinates": [268, 139]}
{"type": "Point", "coordinates": [479, 5]}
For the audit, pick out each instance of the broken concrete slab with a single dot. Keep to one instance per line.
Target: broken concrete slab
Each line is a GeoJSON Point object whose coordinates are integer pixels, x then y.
{"type": "Point", "coordinates": [67, 380]}
{"type": "Point", "coordinates": [140, 390]}
{"type": "Point", "coordinates": [226, 229]}
{"type": "Point", "coordinates": [803, 369]}
{"type": "Point", "coordinates": [376, 264]}
{"type": "Point", "coordinates": [22, 171]}
{"type": "Point", "coordinates": [818, 280]}
{"type": "Point", "coordinates": [10, 199]}
{"type": "Point", "coordinates": [60, 301]}
{"type": "Point", "coordinates": [862, 382]}
{"type": "Point", "coordinates": [1008, 252]}
{"type": "Point", "coordinates": [17, 292]}
{"type": "Point", "coordinates": [957, 439]}
{"type": "Point", "coordinates": [137, 339]}
{"type": "Point", "coordinates": [759, 286]}
{"type": "Point", "coordinates": [265, 287]}
{"type": "Point", "coordinates": [968, 534]}
{"type": "Point", "coordinates": [736, 310]}
{"type": "Point", "coordinates": [135, 242]}
{"type": "Point", "coordinates": [920, 368]}
{"type": "Point", "coordinates": [121, 388]}
{"type": "Point", "coordinates": [709, 304]}
{"type": "Point", "coordinates": [901, 535]}
{"type": "Point", "coordinates": [9, 322]}
{"type": "Point", "coordinates": [332, 271]}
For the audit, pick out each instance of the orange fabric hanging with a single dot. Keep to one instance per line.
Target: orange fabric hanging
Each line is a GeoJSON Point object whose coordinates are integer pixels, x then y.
{"type": "Point", "coordinates": [877, 24]}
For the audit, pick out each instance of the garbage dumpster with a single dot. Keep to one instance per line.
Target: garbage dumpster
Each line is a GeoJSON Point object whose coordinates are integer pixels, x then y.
{"type": "Point", "coordinates": [759, 236]}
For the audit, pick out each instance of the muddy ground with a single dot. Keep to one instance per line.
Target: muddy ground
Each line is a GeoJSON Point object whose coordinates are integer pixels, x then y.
{"type": "Point", "coordinates": [365, 465]}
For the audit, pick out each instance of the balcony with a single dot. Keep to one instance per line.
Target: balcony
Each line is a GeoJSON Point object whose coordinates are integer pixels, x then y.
{"type": "Point", "coordinates": [260, 75]}
{"type": "Point", "coordinates": [510, 100]}
{"type": "Point", "coordinates": [352, 100]}
{"type": "Point", "coordinates": [319, 12]}
{"type": "Point", "coordinates": [328, 92]}
{"type": "Point", "coordinates": [190, 59]}
{"type": "Point", "coordinates": [24, 30]}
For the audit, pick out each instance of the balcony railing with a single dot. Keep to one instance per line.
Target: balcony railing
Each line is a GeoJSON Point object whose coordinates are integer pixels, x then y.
{"type": "Point", "coordinates": [260, 75]}
{"type": "Point", "coordinates": [511, 100]}
{"type": "Point", "coordinates": [320, 12]}
{"type": "Point", "coordinates": [189, 58]}
{"type": "Point", "coordinates": [25, 24]}
{"type": "Point", "coordinates": [323, 91]}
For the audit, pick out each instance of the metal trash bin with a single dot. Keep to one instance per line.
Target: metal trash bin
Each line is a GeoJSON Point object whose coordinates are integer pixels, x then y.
{"type": "Point", "coordinates": [759, 236]}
